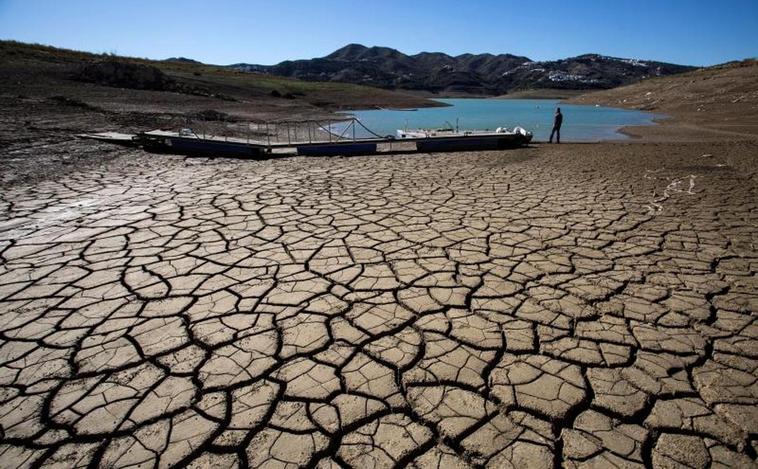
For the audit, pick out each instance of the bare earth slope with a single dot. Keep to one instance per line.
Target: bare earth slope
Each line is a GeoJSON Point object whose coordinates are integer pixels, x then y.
{"type": "Point", "coordinates": [712, 103]}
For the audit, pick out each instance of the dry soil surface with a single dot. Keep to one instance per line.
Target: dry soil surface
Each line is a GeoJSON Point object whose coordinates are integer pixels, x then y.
{"type": "Point", "coordinates": [572, 305]}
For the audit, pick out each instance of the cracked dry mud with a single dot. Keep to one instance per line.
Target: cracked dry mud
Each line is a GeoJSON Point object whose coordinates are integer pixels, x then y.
{"type": "Point", "coordinates": [536, 308]}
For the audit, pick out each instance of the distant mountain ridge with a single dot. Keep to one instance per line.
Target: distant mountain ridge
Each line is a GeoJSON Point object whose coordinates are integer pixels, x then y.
{"type": "Point", "coordinates": [486, 74]}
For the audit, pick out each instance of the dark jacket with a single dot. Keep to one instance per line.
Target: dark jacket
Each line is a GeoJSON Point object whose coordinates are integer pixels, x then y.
{"type": "Point", "coordinates": [558, 120]}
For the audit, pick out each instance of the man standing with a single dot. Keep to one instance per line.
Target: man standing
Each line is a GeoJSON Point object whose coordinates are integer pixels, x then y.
{"type": "Point", "coordinates": [557, 126]}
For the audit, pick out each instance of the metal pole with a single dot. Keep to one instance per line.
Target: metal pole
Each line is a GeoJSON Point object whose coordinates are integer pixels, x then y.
{"type": "Point", "coordinates": [268, 136]}
{"type": "Point", "coordinates": [289, 140]}
{"type": "Point", "coordinates": [353, 129]}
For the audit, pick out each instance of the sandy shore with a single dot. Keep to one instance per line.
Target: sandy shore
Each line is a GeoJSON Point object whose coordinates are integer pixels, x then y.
{"type": "Point", "coordinates": [558, 305]}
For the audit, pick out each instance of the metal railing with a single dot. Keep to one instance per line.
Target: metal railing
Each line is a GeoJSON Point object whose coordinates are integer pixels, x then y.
{"type": "Point", "coordinates": [276, 132]}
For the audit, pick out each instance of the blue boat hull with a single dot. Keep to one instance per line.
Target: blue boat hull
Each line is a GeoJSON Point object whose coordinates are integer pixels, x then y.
{"type": "Point", "coordinates": [472, 143]}
{"type": "Point", "coordinates": [337, 149]}
{"type": "Point", "coordinates": [198, 147]}
{"type": "Point", "coordinates": [212, 148]}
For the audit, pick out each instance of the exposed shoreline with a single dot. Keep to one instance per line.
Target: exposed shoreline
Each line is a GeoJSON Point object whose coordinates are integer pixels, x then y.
{"type": "Point", "coordinates": [554, 305]}
{"type": "Point", "coordinates": [43, 105]}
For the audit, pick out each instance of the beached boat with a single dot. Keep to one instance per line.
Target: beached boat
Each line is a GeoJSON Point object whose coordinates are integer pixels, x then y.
{"type": "Point", "coordinates": [337, 148]}
{"type": "Point", "coordinates": [449, 139]}
{"type": "Point", "coordinates": [189, 143]}
{"type": "Point", "coordinates": [425, 133]}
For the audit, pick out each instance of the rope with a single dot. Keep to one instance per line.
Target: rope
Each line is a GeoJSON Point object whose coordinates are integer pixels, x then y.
{"type": "Point", "coordinates": [368, 130]}
{"type": "Point", "coordinates": [329, 130]}
{"type": "Point", "coordinates": [318, 125]}
{"type": "Point", "coordinates": [348, 127]}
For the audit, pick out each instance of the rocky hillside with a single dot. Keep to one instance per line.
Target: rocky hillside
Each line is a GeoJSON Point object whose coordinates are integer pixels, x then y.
{"type": "Point", "coordinates": [468, 73]}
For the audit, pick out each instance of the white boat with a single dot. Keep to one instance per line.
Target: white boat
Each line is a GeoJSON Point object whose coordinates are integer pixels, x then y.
{"type": "Point", "coordinates": [424, 133]}
{"type": "Point", "coordinates": [453, 140]}
{"type": "Point", "coordinates": [448, 132]}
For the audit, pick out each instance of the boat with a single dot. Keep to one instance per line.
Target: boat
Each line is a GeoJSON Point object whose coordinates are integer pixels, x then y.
{"type": "Point", "coordinates": [117, 138]}
{"type": "Point", "coordinates": [425, 133]}
{"type": "Point", "coordinates": [449, 139]}
{"type": "Point", "coordinates": [187, 142]}
{"type": "Point", "coordinates": [336, 149]}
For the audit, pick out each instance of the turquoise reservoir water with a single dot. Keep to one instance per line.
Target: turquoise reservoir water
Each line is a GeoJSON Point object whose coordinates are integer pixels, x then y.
{"type": "Point", "coordinates": [580, 123]}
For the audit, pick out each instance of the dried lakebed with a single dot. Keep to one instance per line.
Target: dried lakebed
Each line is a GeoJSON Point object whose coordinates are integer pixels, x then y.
{"type": "Point", "coordinates": [571, 305]}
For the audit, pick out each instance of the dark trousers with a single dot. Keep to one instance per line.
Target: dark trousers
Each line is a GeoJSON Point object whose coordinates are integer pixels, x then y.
{"type": "Point", "coordinates": [557, 132]}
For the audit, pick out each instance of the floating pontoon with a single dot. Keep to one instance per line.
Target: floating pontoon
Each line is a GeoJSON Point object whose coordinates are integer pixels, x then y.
{"type": "Point", "coordinates": [321, 140]}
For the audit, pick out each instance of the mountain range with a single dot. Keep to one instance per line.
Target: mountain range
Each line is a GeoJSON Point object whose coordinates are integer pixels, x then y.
{"type": "Point", "coordinates": [484, 74]}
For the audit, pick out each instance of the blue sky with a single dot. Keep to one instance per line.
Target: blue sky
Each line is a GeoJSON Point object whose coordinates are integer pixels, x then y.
{"type": "Point", "coordinates": [693, 32]}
